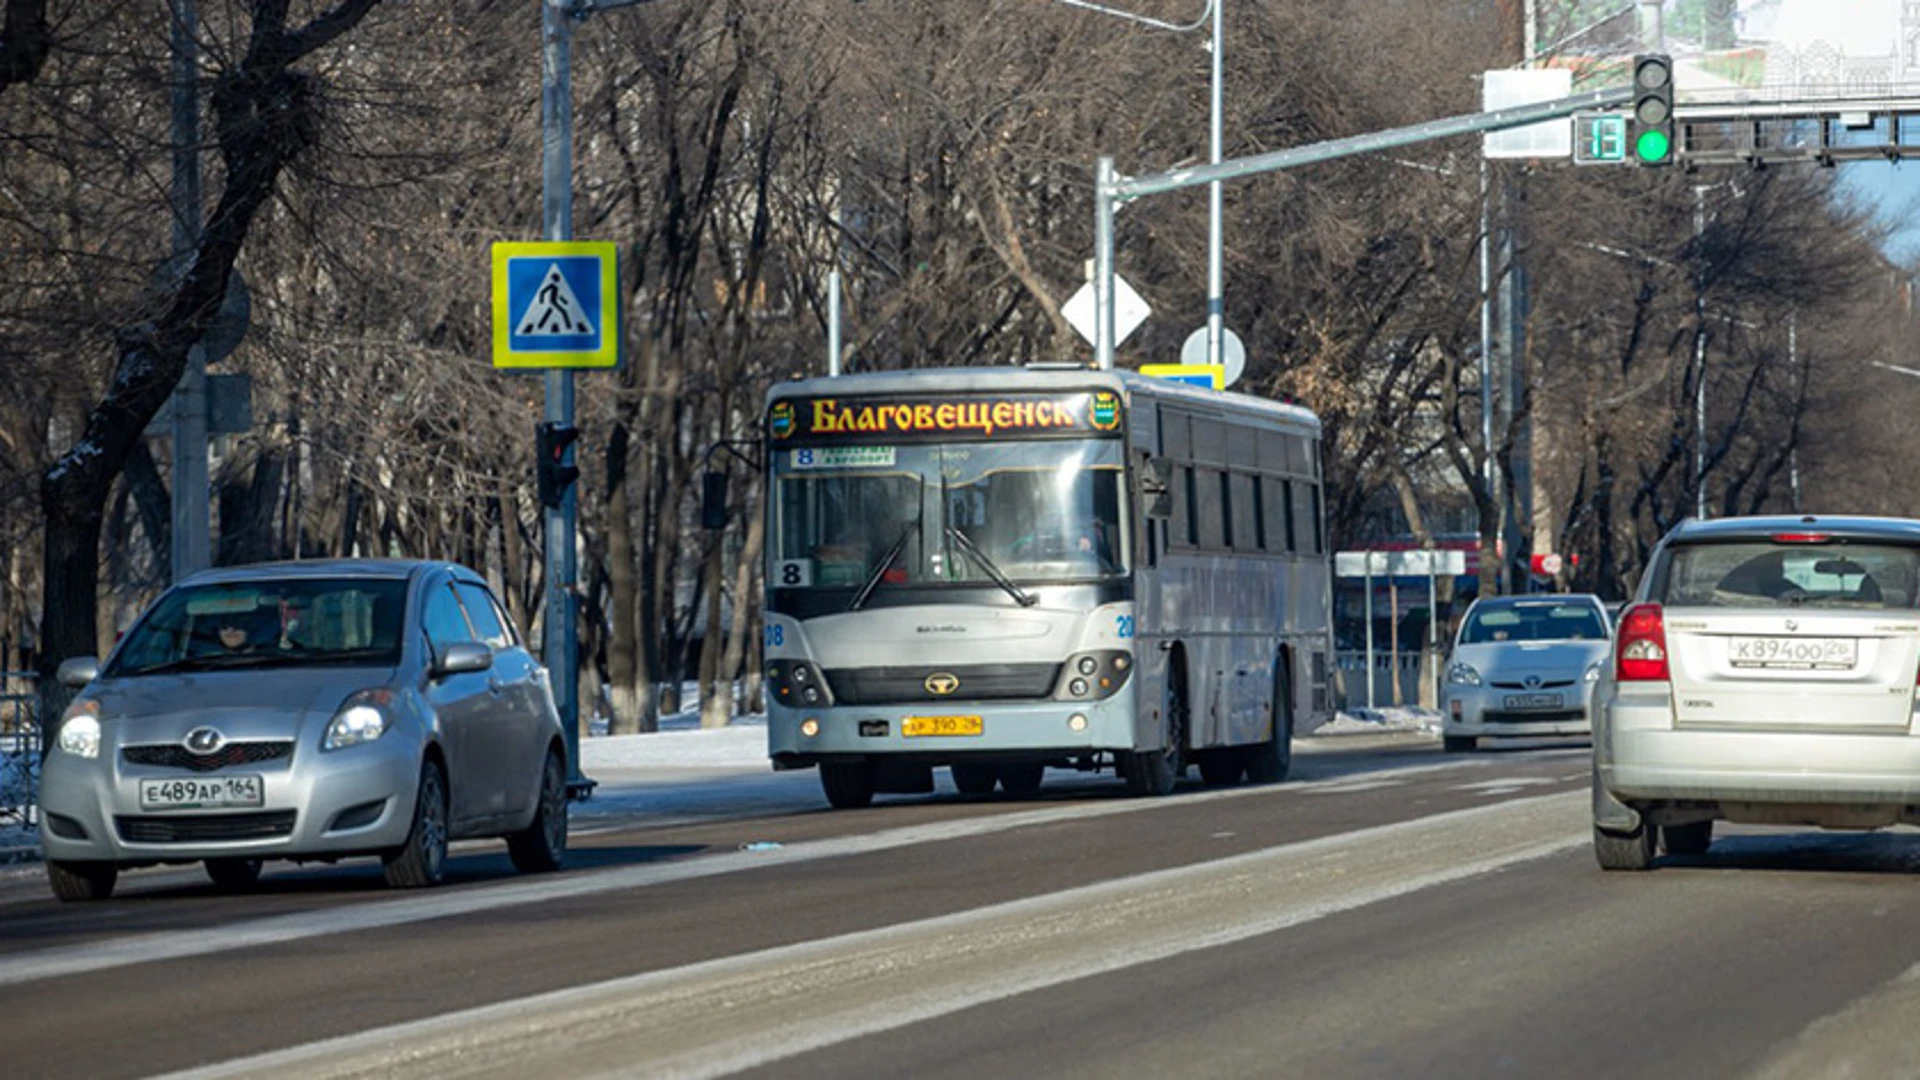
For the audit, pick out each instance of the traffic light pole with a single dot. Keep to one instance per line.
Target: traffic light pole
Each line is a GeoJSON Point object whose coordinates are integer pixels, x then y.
{"type": "Point", "coordinates": [1112, 190]}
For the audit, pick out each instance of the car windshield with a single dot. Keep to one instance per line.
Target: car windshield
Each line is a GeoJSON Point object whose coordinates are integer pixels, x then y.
{"type": "Point", "coordinates": [1533, 622]}
{"type": "Point", "coordinates": [1760, 573]}
{"type": "Point", "coordinates": [1023, 512]}
{"type": "Point", "coordinates": [290, 622]}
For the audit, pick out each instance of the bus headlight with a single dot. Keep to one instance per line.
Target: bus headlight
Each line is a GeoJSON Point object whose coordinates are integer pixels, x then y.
{"type": "Point", "coordinates": [793, 682]}
{"type": "Point", "coordinates": [1093, 675]}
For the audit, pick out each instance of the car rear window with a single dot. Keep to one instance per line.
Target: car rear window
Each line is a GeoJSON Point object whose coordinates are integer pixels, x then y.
{"type": "Point", "coordinates": [1760, 573]}
{"type": "Point", "coordinates": [1533, 622]}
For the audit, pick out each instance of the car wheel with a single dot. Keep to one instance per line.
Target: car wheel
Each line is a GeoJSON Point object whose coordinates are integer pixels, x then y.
{"type": "Point", "coordinates": [1022, 779]}
{"type": "Point", "coordinates": [1623, 851]}
{"type": "Point", "coordinates": [233, 875]}
{"type": "Point", "coordinates": [1154, 772]}
{"type": "Point", "coordinates": [1458, 744]}
{"type": "Point", "coordinates": [82, 880]}
{"type": "Point", "coordinates": [973, 779]}
{"type": "Point", "coordinates": [847, 786]}
{"type": "Point", "coordinates": [1270, 761]}
{"type": "Point", "coordinates": [542, 845]}
{"type": "Point", "coordinates": [422, 860]}
{"type": "Point", "coordinates": [1691, 839]}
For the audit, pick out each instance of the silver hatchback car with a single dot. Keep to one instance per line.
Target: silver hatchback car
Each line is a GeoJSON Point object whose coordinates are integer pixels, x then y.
{"type": "Point", "coordinates": [1767, 675]}
{"type": "Point", "coordinates": [1524, 666]}
{"type": "Point", "coordinates": [305, 711]}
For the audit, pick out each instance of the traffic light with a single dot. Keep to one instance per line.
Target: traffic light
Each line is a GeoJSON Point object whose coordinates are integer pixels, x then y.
{"type": "Point", "coordinates": [1653, 109]}
{"type": "Point", "coordinates": [553, 472]}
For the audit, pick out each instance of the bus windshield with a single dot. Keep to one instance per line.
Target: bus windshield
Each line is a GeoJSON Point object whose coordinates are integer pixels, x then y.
{"type": "Point", "coordinates": [966, 513]}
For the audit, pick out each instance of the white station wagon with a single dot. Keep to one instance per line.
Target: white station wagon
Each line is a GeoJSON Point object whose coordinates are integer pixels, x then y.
{"type": "Point", "coordinates": [1766, 674]}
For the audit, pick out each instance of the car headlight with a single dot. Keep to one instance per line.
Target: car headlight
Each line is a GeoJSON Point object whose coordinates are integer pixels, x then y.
{"type": "Point", "coordinates": [363, 718]}
{"type": "Point", "coordinates": [80, 733]}
{"type": "Point", "coordinates": [1461, 674]}
{"type": "Point", "coordinates": [1593, 671]}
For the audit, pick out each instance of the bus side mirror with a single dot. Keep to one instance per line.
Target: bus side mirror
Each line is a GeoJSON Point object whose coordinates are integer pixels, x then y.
{"type": "Point", "coordinates": [713, 500]}
{"type": "Point", "coordinates": [1154, 493]}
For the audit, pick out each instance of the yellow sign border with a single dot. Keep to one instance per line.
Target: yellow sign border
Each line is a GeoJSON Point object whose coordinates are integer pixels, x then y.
{"type": "Point", "coordinates": [608, 354]}
{"type": "Point", "coordinates": [1218, 372]}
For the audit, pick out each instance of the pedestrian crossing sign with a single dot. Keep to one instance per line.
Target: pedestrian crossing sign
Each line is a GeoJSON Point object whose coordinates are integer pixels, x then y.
{"type": "Point", "coordinates": [556, 304]}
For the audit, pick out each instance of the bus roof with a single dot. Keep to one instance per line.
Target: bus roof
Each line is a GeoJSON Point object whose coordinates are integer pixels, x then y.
{"type": "Point", "coordinates": [948, 380]}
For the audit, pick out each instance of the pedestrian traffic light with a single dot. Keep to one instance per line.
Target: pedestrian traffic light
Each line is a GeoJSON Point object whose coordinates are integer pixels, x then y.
{"type": "Point", "coordinates": [554, 473]}
{"type": "Point", "coordinates": [1653, 109]}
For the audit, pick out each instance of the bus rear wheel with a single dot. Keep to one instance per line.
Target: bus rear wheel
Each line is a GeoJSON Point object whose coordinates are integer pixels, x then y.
{"type": "Point", "coordinates": [1270, 761]}
{"type": "Point", "coordinates": [848, 786]}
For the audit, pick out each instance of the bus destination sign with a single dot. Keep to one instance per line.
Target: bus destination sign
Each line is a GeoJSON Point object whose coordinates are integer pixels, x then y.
{"type": "Point", "coordinates": [935, 419]}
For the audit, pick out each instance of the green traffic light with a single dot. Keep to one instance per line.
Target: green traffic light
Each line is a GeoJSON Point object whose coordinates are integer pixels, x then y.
{"type": "Point", "coordinates": [1652, 147]}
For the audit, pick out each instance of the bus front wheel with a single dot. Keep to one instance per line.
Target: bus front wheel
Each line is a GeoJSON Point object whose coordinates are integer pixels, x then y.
{"type": "Point", "coordinates": [848, 786]}
{"type": "Point", "coordinates": [1154, 772]}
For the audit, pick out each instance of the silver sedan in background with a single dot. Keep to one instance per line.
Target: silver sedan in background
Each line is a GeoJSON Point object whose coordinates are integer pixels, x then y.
{"type": "Point", "coordinates": [305, 711]}
{"type": "Point", "coordinates": [1525, 666]}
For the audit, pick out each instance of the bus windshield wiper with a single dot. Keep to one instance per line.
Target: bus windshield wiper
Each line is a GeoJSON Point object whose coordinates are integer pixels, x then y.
{"type": "Point", "coordinates": [886, 563]}
{"type": "Point", "coordinates": [985, 563]}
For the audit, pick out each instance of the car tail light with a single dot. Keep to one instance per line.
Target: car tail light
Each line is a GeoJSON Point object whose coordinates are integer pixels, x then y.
{"type": "Point", "coordinates": [1642, 650]}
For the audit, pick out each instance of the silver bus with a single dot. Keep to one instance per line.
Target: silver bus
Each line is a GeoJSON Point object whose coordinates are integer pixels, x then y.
{"type": "Point", "coordinates": [1004, 570]}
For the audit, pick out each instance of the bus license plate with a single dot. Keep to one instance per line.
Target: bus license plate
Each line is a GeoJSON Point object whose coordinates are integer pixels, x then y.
{"type": "Point", "coordinates": [196, 793]}
{"type": "Point", "coordinates": [916, 726]}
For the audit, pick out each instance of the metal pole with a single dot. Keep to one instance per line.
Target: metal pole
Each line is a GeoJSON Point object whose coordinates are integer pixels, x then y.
{"type": "Point", "coordinates": [188, 545]}
{"type": "Point", "coordinates": [1369, 583]}
{"type": "Point", "coordinates": [1103, 209]}
{"type": "Point", "coordinates": [1216, 304]}
{"type": "Point", "coordinates": [1699, 359]}
{"type": "Point", "coordinates": [833, 321]}
{"type": "Point", "coordinates": [1433, 619]}
{"type": "Point", "coordinates": [561, 646]}
{"type": "Point", "coordinates": [1653, 33]}
{"type": "Point", "coordinates": [1486, 327]}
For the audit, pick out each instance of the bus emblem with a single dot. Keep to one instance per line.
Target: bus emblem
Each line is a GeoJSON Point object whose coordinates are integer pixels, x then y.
{"type": "Point", "coordinates": [940, 684]}
{"type": "Point", "coordinates": [1105, 415]}
{"type": "Point", "coordinates": [780, 419]}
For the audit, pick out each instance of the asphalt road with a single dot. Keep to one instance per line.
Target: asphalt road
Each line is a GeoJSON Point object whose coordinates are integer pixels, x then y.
{"type": "Point", "coordinates": [1390, 911]}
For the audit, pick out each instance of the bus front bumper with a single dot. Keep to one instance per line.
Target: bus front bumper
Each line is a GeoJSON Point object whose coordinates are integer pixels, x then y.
{"type": "Point", "coordinates": [1031, 731]}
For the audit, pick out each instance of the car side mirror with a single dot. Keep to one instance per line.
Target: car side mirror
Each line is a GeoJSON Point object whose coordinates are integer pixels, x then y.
{"type": "Point", "coordinates": [713, 500]}
{"type": "Point", "coordinates": [78, 671]}
{"type": "Point", "coordinates": [461, 657]}
{"type": "Point", "coordinates": [1155, 494]}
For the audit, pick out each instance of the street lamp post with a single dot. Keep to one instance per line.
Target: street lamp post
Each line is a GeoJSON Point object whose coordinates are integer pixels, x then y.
{"type": "Point", "coordinates": [1216, 273]}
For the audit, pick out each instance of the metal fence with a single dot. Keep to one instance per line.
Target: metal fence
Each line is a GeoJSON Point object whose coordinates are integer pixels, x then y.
{"type": "Point", "coordinates": [1395, 676]}
{"type": "Point", "coordinates": [19, 752]}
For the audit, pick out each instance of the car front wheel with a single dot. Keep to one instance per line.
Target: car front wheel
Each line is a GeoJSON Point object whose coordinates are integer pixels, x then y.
{"type": "Point", "coordinates": [422, 860]}
{"type": "Point", "coordinates": [542, 845]}
{"type": "Point", "coordinates": [82, 880]}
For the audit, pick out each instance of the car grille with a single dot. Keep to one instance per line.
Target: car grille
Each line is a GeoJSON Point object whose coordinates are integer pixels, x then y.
{"type": "Point", "coordinates": [201, 828]}
{"type": "Point", "coordinates": [1560, 717]}
{"type": "Point", "coordinates": [1554, 684]}
{"type": "Point", "coordinates": [978, 682]}
{"type": "Point", "coordinates": [175, 756]}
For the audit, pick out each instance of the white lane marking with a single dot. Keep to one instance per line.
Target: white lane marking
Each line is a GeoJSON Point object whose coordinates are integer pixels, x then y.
{"type": "Point", "coordinates": [174, 945]}
{"type": "Point", "coordinates": [721, 1016]}
{"type": "Point", "coordinates": [1505, 785]}
{"type": "Point", "coordinates": [1352, 786]}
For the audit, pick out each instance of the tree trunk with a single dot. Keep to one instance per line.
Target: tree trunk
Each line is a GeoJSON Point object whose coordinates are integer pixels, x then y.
{"type": "Point", "coordinates": [716, 687]}
{"type": "Point", "coordinates": [622, 665]}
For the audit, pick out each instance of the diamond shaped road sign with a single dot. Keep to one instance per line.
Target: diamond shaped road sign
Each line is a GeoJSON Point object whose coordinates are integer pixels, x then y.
{"type": "Point", "coordinates": [1129, 311]}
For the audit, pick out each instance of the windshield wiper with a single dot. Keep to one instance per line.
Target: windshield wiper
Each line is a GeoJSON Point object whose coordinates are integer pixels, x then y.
{"type": "Point", "coordinates": [986, 563]}
{"type": "Point", "coordinates": [886, 563]}
{"type": "Point", "coordinates": [210, 662]}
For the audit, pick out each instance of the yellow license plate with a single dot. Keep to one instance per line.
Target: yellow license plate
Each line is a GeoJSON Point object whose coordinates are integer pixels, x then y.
{"type": "Point", "coordinates": [914, 726]}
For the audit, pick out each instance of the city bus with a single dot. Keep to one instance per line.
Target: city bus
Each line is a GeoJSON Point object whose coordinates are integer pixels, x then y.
{"type": "Point", "coordinates": [1005, 570]}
